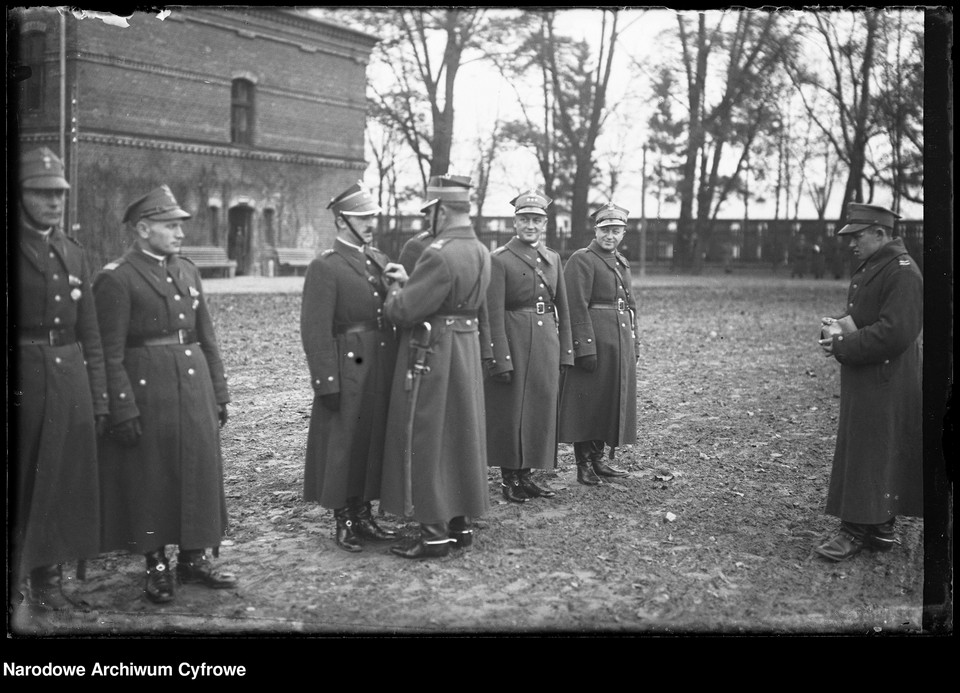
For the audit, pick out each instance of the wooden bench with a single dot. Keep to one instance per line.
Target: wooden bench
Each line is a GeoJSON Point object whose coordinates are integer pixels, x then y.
{"type": "Point", "coordinates": [293, 260]}
{"type": "Point", "coordinates": [210, 257]}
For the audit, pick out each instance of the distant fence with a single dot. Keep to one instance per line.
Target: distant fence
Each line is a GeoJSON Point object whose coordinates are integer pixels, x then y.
{"type": "Point", "coordinates": [805, 244]}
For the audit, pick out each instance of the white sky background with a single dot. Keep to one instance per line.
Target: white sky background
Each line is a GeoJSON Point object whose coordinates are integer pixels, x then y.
{"type": "Point", "coordinates": [481, 95]}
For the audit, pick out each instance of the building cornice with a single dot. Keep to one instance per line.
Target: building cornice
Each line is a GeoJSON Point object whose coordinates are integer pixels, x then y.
{"type": "Point", "coordinates": [201, 149]}
{"type": "Point", "coordinates": [206, 78]}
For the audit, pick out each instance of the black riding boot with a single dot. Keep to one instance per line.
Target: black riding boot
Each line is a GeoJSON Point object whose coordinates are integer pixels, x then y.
{"type": "Point", "coordinates": [461, 532]}
{"type": "Point", "coordinates": [194, 566]}
{"type": "Point", "coordinates": [159, 586]}
{"type": "Point", "coordinates": [533, 488]}
{"type": "Point", "coordinates": [585, 473]}
{"type": "Point", "coordinates": [434, 542]}
{"type": "Point", "coordinates": [346, 534]}
{"type": "Point", "coordinates": [599, 466]}
{"type": "Point", "coordinates": [512, 490]}
{"type": "Point", "coordinates": [46, 588]}
{"type": "Point", "coordinates": [366, 526]}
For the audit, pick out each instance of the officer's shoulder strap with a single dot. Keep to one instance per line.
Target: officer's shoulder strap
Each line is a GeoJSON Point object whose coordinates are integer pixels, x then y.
{"type": "Point", "coordinates": [114, 264]}
{"type": "Point", "coordinates": [438, 244]}
{"type": "Point", "coordinates": [422, 235]}
{"type": "Point", "coordinates": [184, 258]}
{"type": "Point", "coordinates": [499, 250]}
{"type": "Point", "coordinates": [328, 251]}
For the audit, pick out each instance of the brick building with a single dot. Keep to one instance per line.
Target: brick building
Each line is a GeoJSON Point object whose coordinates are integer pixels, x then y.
{"type": "Point", "coordinates": [253, 115]}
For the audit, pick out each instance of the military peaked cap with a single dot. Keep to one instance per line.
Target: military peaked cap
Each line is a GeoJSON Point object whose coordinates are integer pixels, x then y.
{"type": "Point", "coordinates": [610, 215]}
{"type": "Point", "coordinates": [41, 169]}
{"type": "Point", "coordinates": [355, 201]}
{"type": "Point", "coordinates": [861, 216]}
{"type": "Point", "coordinates": [531, 202]}
{"type": "Point", "coordinates": [157, 205]}
{"type": "Point", "coordinates": [447, 188]}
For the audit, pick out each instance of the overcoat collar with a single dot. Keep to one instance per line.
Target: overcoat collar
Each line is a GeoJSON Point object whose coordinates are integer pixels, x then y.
{"type": "Point", "coordinates": [528, 252]}
{"type": "Point", "coordinates": [609, 257]}
{"type": "Point", "coordinates": [872, 265]}
{"type": "Point", "coordinates": [155, 273]}
{"type": "Point", "coordinates": [33, 243]}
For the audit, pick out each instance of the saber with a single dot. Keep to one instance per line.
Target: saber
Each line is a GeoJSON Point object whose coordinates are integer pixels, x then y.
{"type": "Point", "coordinates": [412, 385]}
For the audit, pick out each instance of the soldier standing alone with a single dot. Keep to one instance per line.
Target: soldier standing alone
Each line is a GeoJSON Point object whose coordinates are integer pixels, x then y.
{"type": "Point", "coordinates": [878, 340]}
{"type": "Point", "coordinates": [598, 401]}
{"type": "Point", "coordinates": [351, 348]}
{"type": "Point", "coordinates": [161, 469]}
{"type": "Point", "coordinates": [530, 338]}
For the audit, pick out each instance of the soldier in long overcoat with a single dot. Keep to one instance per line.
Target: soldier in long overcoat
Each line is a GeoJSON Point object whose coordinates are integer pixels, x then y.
{"type": "Point", "coordinates": [878, 340]}
{"type": "Point", "coordinates": [161, 471]}
{"type": "Point", "coordinates": [59, 389]}
{"type": "Point", "coordinates": [598, 401]}
{"type": "Point", "coordinates": [530, 338]}
{"type": "Point", "coordinates": [437, 460]}
{"type": "Point", "coordinates": [351, 349]}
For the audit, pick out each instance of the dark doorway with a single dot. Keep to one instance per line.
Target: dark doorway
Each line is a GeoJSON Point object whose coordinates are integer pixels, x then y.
{"type": "Point", "coordinates": [240, 223]}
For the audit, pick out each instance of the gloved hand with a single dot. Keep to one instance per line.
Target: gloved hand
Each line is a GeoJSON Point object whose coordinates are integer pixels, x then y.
{"type": "Point", "coordinates": [487, 365]}
{"type": "Point", "coordinates": [506, 377]}
{"type": "Point", "coordinates": [102, 423]}
{"type": "Point", "coordinates": [331, 401]}
{"type": "Point", "coordinates": [222, 414]}
{"type": "Point", "coordinates": [127, 433]}
{"type": "Point", "coordinates": [587, 363]}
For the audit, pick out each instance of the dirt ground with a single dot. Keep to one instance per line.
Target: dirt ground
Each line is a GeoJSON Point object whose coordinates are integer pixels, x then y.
{"type": "Point", "coordinates": [712, 531]}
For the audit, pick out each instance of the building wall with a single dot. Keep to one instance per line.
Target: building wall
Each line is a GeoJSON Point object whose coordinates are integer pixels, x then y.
{"type": "Point", "coordinates": [150, 104]}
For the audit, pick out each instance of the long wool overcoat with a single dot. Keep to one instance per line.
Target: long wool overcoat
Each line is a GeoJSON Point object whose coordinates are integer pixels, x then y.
{"type": "Point", "coordinates": [168, 489]}
{"type": "Point", "coordinates": [601, 405]}
{"type": "Point", "coordinates": [54, 499]}
{"type": "Point", "coordinates": [878, 463]}
{"type": "Point", "coordinates": [448, 447]}
{"type": "Point", "coordinates": [344, 288]}
{"type": "Point", "coordinates": [531, 346]}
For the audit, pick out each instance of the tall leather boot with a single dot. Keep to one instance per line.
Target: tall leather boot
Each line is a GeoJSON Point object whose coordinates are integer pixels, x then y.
{"type": "Point", "coordinates": [434, 542]}
{"type": "Point", "coordinates": [194, 566]}
{"type": "Point", "coordinates": [596, 461]}
{"type": "Point", "coordinates": [532, 488]}
{"type": "Point", "coordinates": [585, 473]}
{"type": "Point", "coordinates": [346, 535]}
{"type": "Point", "coordinates": [46, 588]}
{"type": "Point", "coordinates": [511, 486]}
{"type": "Point", "coordinates": [366, 526]}
{"type": "Point", "coordinates": [159, 585]}
{"type": "Point", "coordinates": [461, 532]}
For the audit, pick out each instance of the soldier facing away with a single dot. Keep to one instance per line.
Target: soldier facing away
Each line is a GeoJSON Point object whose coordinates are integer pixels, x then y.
{"type": "Point", "coordinates": [161, 470]}
{"type": "Point", "coordinates": [438, 475]}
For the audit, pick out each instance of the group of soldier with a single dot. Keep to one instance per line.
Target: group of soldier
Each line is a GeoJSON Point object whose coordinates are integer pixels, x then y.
{"type": "Point", "coordinates": [429, 370]}
{"type": "Point", "coordinates": [425, 373]}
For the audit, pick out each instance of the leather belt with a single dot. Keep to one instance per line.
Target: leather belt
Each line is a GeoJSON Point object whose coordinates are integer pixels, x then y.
{"type": "Point", "coordinates": [619, 304]}
{"type": "Point", "coordinates": [455, 316]}
{"type": "Point", "coordinates": [361, 326]}
{"type": "Point", "coordinates": [540, 308]}
{"type": "Point", "coordinates": [35, 336]}
{"type": "Point", "coordinates": [179, 337]}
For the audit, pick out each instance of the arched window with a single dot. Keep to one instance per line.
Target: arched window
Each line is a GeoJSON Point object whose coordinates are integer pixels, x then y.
{"type": "Point", "coordinates": [241, 112]}
{"type": "Point", "coordinates": [33, 44]}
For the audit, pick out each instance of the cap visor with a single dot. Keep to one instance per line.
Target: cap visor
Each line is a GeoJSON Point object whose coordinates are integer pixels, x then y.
{"type": "Point", "coordinates": [530, 210]}
{"type": "Point", "coordinates": [45, 184]}
{"type": "Point", "coordinates": [853, 228]}
{"type": "Point", "coordinates": [168, 216]}
{"type": "Point", "coordinates": [427, 205]}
